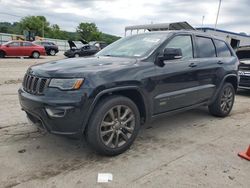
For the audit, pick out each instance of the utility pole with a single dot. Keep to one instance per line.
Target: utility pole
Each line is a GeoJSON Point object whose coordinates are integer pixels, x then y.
{"type": "Point", "coordinates": [218, 12]}
{"type": "Point", "coordinates": [202, 21]}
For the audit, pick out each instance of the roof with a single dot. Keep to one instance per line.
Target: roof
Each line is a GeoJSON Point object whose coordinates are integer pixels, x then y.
{"type": "Point", "coordinates": [195, 32]}
{"type": "Point", "coordinates": [222, 31]}
{"type": "Point", "coordinates": [162, 26]}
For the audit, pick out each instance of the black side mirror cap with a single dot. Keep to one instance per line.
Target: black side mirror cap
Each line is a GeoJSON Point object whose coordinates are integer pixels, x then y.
{"type": "Point", "coordinates": [168, 54]}
{"type": "Point", "coordinates": [172, 53]}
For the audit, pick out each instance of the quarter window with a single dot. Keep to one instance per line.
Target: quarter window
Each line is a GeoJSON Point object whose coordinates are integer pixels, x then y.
{"type": "Point", "coordinates": [222, 49]}
{"type": "Point", "coordinates": [184, 43]}
{"type": "Point", "coordinates": [205, 47]}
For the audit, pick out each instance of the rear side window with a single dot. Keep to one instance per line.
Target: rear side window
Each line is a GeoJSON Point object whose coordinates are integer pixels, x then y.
{"type": "Point", "coordinates": [184, 42]}
{"type": "Point", "coordinates": [205, 47]}
{"type": "Point", "coordinates": [27, 44]}
{"type": "Point", "coordinates": [222, 49]}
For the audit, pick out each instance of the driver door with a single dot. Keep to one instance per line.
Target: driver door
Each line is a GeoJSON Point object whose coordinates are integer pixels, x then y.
{"type": "Point", "coordinates": [177, 83]}
{"type": "Point", "coordinates": [13, 49]}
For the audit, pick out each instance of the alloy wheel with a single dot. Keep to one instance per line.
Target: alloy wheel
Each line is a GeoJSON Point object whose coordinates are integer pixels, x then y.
{"type": "Point", "coordinates": [226, 99]}
{"type": "Point", "coordinates": [52, 52]}
{"type": "Point", "coordinates": [117, 126]}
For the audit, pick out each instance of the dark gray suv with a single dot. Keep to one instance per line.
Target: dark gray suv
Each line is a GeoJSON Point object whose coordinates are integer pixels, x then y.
{"type": "Point", "coordinates": [108, 97]}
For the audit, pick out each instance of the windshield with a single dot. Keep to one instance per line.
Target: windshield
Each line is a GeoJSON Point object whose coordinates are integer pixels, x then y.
{"type": "Point", "coordinates": [134, 46]}
{"type": "Point", "coordinates": [243, 54]}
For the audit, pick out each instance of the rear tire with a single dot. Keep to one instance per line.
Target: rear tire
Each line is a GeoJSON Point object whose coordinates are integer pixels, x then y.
{"type": "Point", "coordinates": [113, 126]}
{"type": "Point", "coordinates": [36, 55]}
{"type": "Point", "coordinates": [2, 54]}
{"type": "Point", "coordinates": [223, 104]}
{"type": "Point", "coordinates": [77, 55]}
{"type": "Point", "coordinates": [52, 52]}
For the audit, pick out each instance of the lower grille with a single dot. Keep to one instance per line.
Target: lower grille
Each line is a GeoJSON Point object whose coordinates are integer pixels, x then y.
{"type": "Point", "coordinates": [34, 85]}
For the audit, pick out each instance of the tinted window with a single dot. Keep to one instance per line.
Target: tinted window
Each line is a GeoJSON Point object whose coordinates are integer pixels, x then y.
{"type": "Point", "coordinates": [27, 44]}
{"type": "Point", "coordinates": [205, 47]}
{"type": "Point", "coordinates": [37, 42]}
{"type": "Point", "coordinates": [243, 54]}
{"type": "Point", "coordinates": [14, 44]}
{"type": "Point", "coordinates": [184, 43]}
{"type": "Point", "coordinates": [222, 49]}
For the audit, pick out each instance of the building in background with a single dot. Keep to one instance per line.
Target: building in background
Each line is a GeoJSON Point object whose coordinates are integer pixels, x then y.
{"type": "Point", "coordinates": [236, 40]}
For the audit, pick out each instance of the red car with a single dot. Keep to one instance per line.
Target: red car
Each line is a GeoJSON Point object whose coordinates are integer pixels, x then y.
{"type": "Point", "coordinates": [21, 48]}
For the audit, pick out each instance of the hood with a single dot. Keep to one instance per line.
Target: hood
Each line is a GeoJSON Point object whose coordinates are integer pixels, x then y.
{"type": "Point", "coordinates": [79, 67]}
{"type": "Point", "coordinates": [72, 45]}
{"type": "Point", "coordinates": [245, 65]}
{"type": "Point", "coordinates": [245, 61]}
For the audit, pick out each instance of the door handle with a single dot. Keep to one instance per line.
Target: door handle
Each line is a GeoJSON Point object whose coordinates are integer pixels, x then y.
{"type": "Point", "coordinates": [220, 62]}
{"type": "Point", "coordinates": [192, 65]}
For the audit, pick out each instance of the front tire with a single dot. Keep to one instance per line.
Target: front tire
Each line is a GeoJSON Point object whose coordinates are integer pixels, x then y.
{"type": "Point", "coordinates": [223, 105]}
{"type": "Point", "coordinates": [2, 54]}
{"type": "Point", "coordinates": [113, 125]}
{"type": "Point", "coordinates": [36, 55]}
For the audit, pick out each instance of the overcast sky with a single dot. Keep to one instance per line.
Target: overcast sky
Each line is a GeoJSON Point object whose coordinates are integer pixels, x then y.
{"type": "Point", "coordinates": [111, 16]}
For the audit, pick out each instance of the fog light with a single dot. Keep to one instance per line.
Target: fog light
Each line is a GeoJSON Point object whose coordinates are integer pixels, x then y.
{"type": "Point", "coordinates": [55, 112]}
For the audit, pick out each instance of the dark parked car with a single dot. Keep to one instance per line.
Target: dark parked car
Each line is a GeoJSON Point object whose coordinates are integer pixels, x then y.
{"type": "Point", "coordinates": [50, 47]}
{"type": "Point", "coordinates": [21, 48]}
{"type": "Point", "coordinates": [85, 50]}
{"type": "Point", "coordinates": [243, 54]}
{"type": "Point", "coordinates": [108, 97]}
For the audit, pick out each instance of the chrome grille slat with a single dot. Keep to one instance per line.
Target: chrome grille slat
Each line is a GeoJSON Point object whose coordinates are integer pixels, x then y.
{"type": "Point", "coordinates": [34, 85]}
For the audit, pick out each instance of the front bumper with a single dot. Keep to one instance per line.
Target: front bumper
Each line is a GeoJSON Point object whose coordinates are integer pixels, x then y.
{"type": "Point", "coordinates": [61, 114]}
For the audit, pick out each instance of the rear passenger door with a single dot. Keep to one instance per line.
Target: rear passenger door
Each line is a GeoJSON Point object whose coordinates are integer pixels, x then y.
{"type": "Point", "coordinates": [27, 48]}
{"type": "Point", "coordinates": [208, 67]}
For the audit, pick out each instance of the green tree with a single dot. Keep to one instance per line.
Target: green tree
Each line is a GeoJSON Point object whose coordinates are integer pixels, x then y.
{"type": "Point", "coordinates": [88, 31]}
{"type": "Point", "coordinates": [35, 24]}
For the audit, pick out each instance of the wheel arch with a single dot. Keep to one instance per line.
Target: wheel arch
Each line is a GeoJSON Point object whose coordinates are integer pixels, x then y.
{"type": "Point", "coordinates": [35, 51]}
{"type": "Point", "coordinates": [233, 79]}
{"type": "Point", "coordinates": [230, 78]}
{"type": "Point", "coordinates": [132, 92]}
{"type": "Point", "coordinates": [3, 51]}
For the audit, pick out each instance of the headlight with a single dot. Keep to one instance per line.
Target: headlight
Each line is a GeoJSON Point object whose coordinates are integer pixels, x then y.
{"type": "Point", "coordinates": [66, 84]}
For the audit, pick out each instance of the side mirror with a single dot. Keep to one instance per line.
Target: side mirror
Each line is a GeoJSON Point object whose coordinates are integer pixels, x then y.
{"type": "Point", "coordinates": [168, 54]}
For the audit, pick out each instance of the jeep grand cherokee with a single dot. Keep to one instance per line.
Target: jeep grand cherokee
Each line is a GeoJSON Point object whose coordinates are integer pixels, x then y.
{"type": "Point", "coordinates": [106, 98]}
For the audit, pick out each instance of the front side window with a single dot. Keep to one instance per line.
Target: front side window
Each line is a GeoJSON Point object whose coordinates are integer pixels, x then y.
{"type": "Point", "coordinates": [184, 43]}
{"type": "Point", "coordinates": [205, 47]}
{"type": "Point", "coordinates": [14, 44]}
{"type": "Point", "coordinates": [222, 49]}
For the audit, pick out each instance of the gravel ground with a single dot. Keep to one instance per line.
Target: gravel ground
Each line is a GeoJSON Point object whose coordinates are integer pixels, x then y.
{"type": "Point", "coordinates": [191, 149]}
